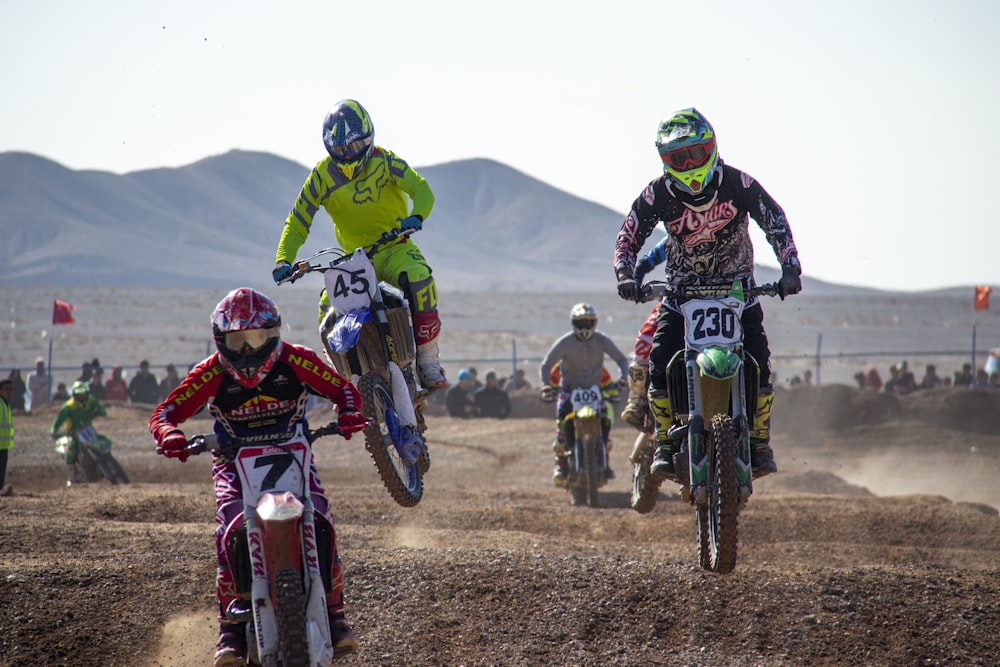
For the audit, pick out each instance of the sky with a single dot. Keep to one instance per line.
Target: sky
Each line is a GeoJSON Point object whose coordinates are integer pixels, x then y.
{"type": "Point", "coordinates": [873, 123]}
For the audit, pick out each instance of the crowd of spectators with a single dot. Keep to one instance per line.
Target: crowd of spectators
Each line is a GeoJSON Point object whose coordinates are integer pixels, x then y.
{"type": "Point", "coordinates": [902, 380]}
{"type": "Point", "coordinates": [469, 397]}
{"type": "Point", "coordinates": [143, 387]}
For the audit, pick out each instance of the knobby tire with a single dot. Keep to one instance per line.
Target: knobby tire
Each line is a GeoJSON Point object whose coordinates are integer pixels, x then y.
{"type": "Point", "coordinates": [645, 488]}
{"type": "Point", "coordinates": [403, 481]}
{"type": "Point", "coordinates": [590, 447]}
{"type": "Point", "coordinates": [290, 614]}
{"type": "Point", "coordinates": [723, 507]}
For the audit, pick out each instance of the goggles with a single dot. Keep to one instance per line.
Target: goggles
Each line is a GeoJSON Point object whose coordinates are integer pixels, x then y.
{"type": "Point", "coordinates": [585, 325]}
{"type": "Point", "coordinates": [255, 339]}
{"type": "Point", "coordinates": [689, 157]}
{"type": "Point", "coordinates": [351, 150]}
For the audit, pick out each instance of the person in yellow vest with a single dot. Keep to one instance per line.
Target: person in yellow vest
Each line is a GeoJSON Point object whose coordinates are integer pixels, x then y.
{"type": "Point", "coordinates": [368, 190]}
{"type": "Point", "coordinates": [6, 433]}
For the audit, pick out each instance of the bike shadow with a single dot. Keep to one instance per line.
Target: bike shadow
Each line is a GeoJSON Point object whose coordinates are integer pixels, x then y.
{"type": "Point", "coordinates": [623, 500]}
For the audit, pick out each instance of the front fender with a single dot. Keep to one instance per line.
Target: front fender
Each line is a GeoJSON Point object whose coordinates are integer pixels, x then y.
{"type": "Point", "coordinates": [719, 363]}
{"type": "Point", "coordinates": [347, 329]}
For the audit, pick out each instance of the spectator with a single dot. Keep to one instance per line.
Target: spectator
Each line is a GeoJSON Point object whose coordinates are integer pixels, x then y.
{"type": "Point", "coordinates": [517, 382]}
{"type": "Point", "coordinates": [491, 400]}
{"type": "Point", "coordinates": [476, 384]}
{"type": "Point", "coordinates": [86, 370]}
{"type": "Point", "coordinates": [807, 377]}
{"type": "Point", "coordinates": [901, 380]}
{"type": "Point", "coordinates": [115, 388]}
{"type": "Point", "coordinates": [170, 380]}
{"type": "Point", "coordinates": [144, 388]}
{"type": "Point", "coordinates": [930, 379]}
{"type": "Point", "coordinates": [19, 390]}
{"type": "Point", "coordinates": [96, 384]}
{"type": "Point", "coordinates": [859, 377]}
{"type": "Point", "coordinates": [460, 400]}
{"type": "Point", "coordinates": [964, 378]}
{"type": "Point", "coordinates": [38, 386]}
{"type": "Point", "coordinates": [6, 432]}
{"type": "Point", "coordinates": [873, 381]}
{"type": "Point", "coordinates": [62, 394]}
{"type": "Point", "coordinates": [983, 379]}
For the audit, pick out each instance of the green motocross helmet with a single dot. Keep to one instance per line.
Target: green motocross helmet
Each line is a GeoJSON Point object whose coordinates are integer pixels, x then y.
{"type": "Point", "coordinates": [80, 391]}
{"type": "Point", "coordinates": [686, 143]}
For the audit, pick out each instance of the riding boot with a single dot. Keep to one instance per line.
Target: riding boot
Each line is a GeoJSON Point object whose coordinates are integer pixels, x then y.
{"type": "Point", "coordinates": [429, 366]}
{"type": "Point", "coordinates": [634, 412]}
{"type": "Point", "coordinates": [71, 475]}
{"type": "Point", "coordinates": [761, 456]}
{"type": "Point", "coordinates": [231, 649]}
{"type": "Point", "coordinates": [663, 459]}
{"type": "Point", "coordinates": [561, 471]}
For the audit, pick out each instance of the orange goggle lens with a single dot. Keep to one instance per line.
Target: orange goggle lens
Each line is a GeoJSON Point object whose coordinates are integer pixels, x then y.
{"type": "Point", "coordinates": [254, 339]}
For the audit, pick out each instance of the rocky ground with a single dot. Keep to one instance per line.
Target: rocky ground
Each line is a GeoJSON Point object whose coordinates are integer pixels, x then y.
{"type": "Point", "coordinates": [877, 544]}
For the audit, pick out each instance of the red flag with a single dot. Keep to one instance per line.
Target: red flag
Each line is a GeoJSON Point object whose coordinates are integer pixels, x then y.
{"type": "Point", "coordinates": [61, 312]}
{"type": "Point", "coordinates": [982, 301]}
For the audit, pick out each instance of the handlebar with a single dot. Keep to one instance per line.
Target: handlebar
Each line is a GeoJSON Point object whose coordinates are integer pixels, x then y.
{"type": "Point", "coordinates": [306, 265]}
{"type": "Point", "coordinates": [209, 442]}
{"type": "Point", "coordinates": [656, 290]}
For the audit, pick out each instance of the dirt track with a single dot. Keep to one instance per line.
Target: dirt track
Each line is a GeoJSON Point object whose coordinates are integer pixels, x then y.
{"type": "Point", "coordinates": [495, 568]}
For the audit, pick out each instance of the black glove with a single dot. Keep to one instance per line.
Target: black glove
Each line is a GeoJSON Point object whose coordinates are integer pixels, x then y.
{"type": "Point", "coordinates": [628, 288]}
{"type": "Point", "coordinates": [790, 282]}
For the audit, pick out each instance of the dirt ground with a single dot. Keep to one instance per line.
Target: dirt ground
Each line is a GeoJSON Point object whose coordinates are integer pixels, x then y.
{"type": "Point", "coordinates": [878, 543]}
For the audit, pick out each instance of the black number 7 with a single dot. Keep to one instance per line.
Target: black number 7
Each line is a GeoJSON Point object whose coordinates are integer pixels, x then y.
{"type": "Point", "coordinates": [279, 463]}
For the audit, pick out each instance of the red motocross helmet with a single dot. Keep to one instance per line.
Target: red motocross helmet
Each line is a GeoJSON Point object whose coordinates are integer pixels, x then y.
{"type": "Point", "coordinates": [247, 330]}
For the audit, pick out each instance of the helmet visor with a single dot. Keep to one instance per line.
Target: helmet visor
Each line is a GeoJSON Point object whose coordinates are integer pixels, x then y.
{"type": "Point", "coordinates": [689, 157]}
{"type": "Point", "coordinates": [351, 150]}
{"type": "Point", "coordinates": [250, 341]}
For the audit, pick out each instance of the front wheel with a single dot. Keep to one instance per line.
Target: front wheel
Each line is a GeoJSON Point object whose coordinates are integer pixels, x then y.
{"type": "Point", "coordinates": [594, 470]}
{"type": "Point", "coordinates": [645, 487]}
{"type": "Point", "coordinates": [717, 520]}
{"type": "Point", "coordinates": [112, 470]}
{"type": "Point", "coordinates": [404, 481]}
{"type": "Point", "coordinates": [290, 614]}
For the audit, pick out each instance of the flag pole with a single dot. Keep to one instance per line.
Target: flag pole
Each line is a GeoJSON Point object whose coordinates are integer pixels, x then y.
{"type": "Point", "coordinates": [48, 396]}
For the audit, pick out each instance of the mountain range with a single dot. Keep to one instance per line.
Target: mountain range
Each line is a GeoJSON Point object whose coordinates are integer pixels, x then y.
{"type": "Point", "coordinates": [217, 222]}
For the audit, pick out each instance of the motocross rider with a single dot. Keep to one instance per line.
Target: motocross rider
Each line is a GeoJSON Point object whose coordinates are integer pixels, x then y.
{"type": "Point", "coordinates": [255, 384]}
{"type": "Point", "coordinates": [634, 412]}
{"type": "Point", "coordinates": [75, 414]}
{"type": "Point", "coordinates": [704, 205]}
{"type": "Point", "coordinates": [580, 355]}
{"type": "Point", "coordinates": [365, 188]}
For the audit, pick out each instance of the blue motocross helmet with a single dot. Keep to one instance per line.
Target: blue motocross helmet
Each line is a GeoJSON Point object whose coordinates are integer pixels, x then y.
{"type": "Point", "coordinates": [349, 136]}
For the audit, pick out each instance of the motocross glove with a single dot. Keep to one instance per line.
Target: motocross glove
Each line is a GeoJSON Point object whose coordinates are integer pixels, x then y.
{"type": "Point", "coordinates": [790, 282]}
{"type": "Point", "coordinates": [351, 421]}
{"type": "Point", "coordinates": [547, 394]}
{"type": "Point", "coordinates": [283, 271]}
{"type": "Point", "coordinates": [628, 288]}
{"type": "Point", "coordinates": [174, 445]}
{"type": "Point", "coordinates": [413, 223]}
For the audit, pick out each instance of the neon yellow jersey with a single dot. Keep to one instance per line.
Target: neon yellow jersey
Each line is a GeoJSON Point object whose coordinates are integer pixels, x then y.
{"type": "Point", "coordinates": [363, 208]}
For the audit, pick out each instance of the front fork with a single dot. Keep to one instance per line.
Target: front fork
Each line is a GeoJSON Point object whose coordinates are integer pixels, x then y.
{"type": "Point", "coordinates": [281, 535]}
{"type": "Point", "coordinates": [708, 395]}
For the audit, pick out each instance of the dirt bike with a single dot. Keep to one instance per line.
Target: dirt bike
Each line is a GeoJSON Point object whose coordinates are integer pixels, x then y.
{"type": "Point", "coordinates": [276, 552]}
{"type": "Point", "coordinates": [713, 406]}
{"type": "Point", "coordinates": [95, 459]}
{"type": "Point", "coordinates": [367, 335]}
{"type": "Point", "coordinates": [587, 454]}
